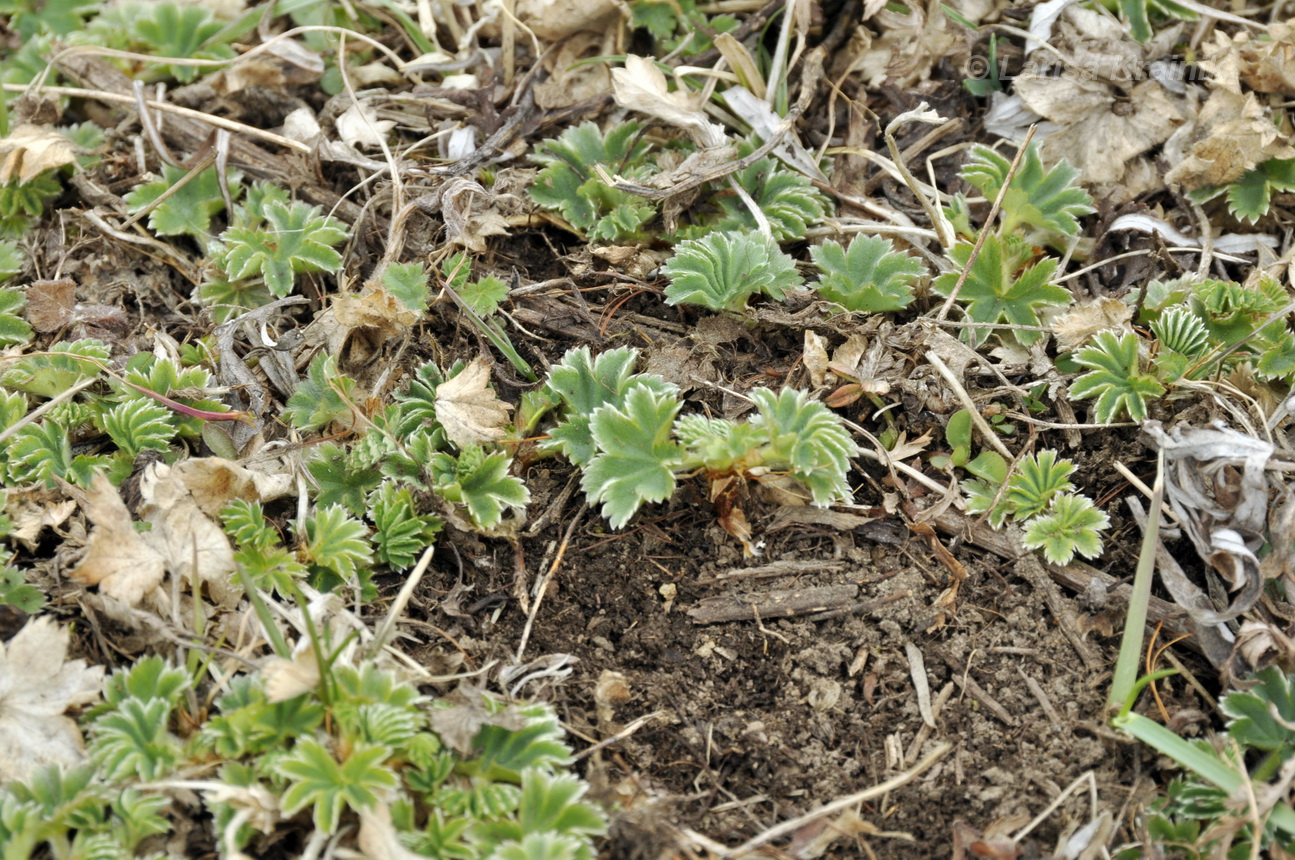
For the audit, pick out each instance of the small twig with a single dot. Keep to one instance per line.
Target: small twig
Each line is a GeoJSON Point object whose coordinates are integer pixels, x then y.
{"type": "Point", "coordinates": [398, 605]}
{"type": "Point", "coordinates": [64, 395]}
{"type": "Point", "coordinates": [967, 403]}
{"type": "Point", "coordinates": [792, 825]}
{"type": "Point", "coordinates": [989, 223]}
{"type": "Point", "coordinates": [545, 580]}
{"type": "Point", "coordinates": [922, 113]}
{"type": "Point", "coordinates": [624, 733]}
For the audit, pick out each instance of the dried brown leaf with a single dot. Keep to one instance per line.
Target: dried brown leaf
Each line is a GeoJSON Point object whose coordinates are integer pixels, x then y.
{"type": "Point", "coordinates": [191, 542]}
{"type": "Point", "coordinates": [37, 687]}
{"type": "Point", "coordinates": [30, 150]}
{"type": "Point", "coordinates": [1074, 328]}
{"type": "Point", "coordinates": [468, 408]}
{"type": "Point", "coordinates": [1232, 134]}
{"type": "Point", "coordinates": [117, 559]}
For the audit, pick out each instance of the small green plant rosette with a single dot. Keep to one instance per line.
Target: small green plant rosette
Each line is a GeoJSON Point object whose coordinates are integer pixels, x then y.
{"type": "Point", "coordinates": [1115, 378]}
{"type": "Point", "coordinates": [1070, 527]}
{"type": "Point", "coordinates": [1002, 287]}
{"type": "Point", "coordinates": [721, 271]}
{"type": "Point", "coordinates": [869, 275]}
{"type": "Point", "coordinates": [1046, 203]}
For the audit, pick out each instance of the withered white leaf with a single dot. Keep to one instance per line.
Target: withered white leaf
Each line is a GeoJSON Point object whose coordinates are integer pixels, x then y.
{"type": "Point", "coordinates": [359, 125]}
{"type": "Point", "coordinates": [185, 536]}
{"type": "Point", "coordinates": [30, 150]}
{"type": "Point", "coordinates": [814, 355]}
{"type": "Point", "coordinates": [37, 687]}
{"type": "Point", "coordinates": [468, 409]}
{"type": "Point", "coordinates": [1076, 326]}
{"type": "Point", "coordinates": [642, 87]}
{"type": "Point", "coordinates": [117, 559]}
{"type": "Point", "coordinates": [286, 679]}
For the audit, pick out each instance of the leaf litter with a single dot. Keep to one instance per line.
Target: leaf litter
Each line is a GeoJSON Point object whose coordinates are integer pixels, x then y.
{"type": "Point", "coordinates": [829, 682]}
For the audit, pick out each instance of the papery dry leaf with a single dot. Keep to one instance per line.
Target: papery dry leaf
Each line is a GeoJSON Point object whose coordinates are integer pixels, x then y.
{"type": "Point", "coordinates": [460, 715]}
{"type": "Point", "coordinates": [1232, 134]}
{"type": "Point", "coordinates": [36, 689]}
{"type": "Point", "coordinates": [117, 559]}
{"type": "Point", "coordinates": [1074, 328]}
{"type": "Point", "coordinates": [555, 20]}
{"type": "Point", "coordinates": [1100, 131]}
{"type": "Point", "coordinates": [469, 409]}
{"type": "Point", "coordinates": [378, 838]}
{"type": "Point", "coordinates": [641, 86]}
{"type": "Point", "coordinates": [32, 510]}
{"type": "Point", "coordinates": [49, 304]}
{"type": "Point", "coordinates": [359, 126]}
{"type": "Point", "coordinates": [570, 81]}
{"type": "Point", "coordinates": [463, 225]}
{"type": "Point", "coordinates": [904, 448]}
{"type": "Point", "coordinates": [191, 542]}
{"type": "Point", "coordinates": [1268, 65]}
{"type": "Point", "coordinates": [286, 679]}
{"type": "Point", "coordinates": [215, 482]}
{"type": "Point", "coordinates": [30, 150]}
{"type": "Point", "coordinates": [611, 690]}
{"type": "Point", "coordinates": [374, 309]}
{"type": "Point", "coordinates": [276, 64]}
{"type": "Point", "coordinates": [814, 355]}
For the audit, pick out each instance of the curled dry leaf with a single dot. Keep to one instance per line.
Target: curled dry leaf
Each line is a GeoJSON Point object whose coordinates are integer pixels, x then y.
{"type": "Point", "coordinates": [1232, 134]}
{"type": "Point", "coordinates": [117, 559]}
{"type": "Point", "coordinates": [376, 310]}
{"type": "Point", "coordinates": [814, 355]}
{"type": "Point", "coordinates": [359, 126]}
{"type": "Point", "coordinates": [463, 225]}
{"type": "Point", "coordinates": [30, 150]}
{"type": "Point", "coordinates": [468, 409]}
{"type": "Point", "coordinates": [1073, 328]}
{"type": "Point", "coordinates": [286, 679]}
{"type": "Point", "coordinates": [190, 541]}
{"type": "Point", "coordinates": [37, 686]}
{"type": "Point", "coordinates": [641, 86]}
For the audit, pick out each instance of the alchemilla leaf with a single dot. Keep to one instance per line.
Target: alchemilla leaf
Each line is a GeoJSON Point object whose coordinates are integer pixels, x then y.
{"type": "Point", "coordinates": [994, 292]}
{"type": "Point", "coordinates": [636, 454]}
{"type": "Point", "coordinates": [721, 271]}
{"type": "Point", "coordinates": [869, 276]}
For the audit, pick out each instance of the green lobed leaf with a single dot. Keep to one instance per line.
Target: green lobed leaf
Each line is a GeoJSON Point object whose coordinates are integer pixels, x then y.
{"type": "Point", "coordinates": [293, 239]}
{"type": "Point", "coordinates": [481, 482]}
{"type": "Point", "coordinates": [994, 292]}
{"type": "Point", "coordinates": [1070, 527]}
{"type": "Point", "coordinates": [869, 276]}
{"type": "Point", "coordinates": [1039, 477]}
{"type": "Point", "coordinates": [140, 425]}
{"type": "Point", "coordinates": [318, 780]}
{"type": "Point", "coordinates": [636, 455]}
{"type": "Point", "coordinates": [13, 328]}
{"type": "Point", "coordinates": [16, 591]}
{"type": "Point", "coordinates": [806, 439]}
{"type": "Point", "coordinates": [788, 200]}
{"type": "Point", "coordinates": [721, 271]}
{"type": "Point", "coordinates": [336, 542]}
{"type": "Point", "coordinates": [324, 397]}
{"type": "Point", "coordinates": [1047, 200]}
{"type": "Point", "coordinates": [1115, 378]}
{"type": "Point", "coordinates": [189, 210]}
{"type": "Point", "coordinates": [62, 366]}
{"type": "Point", "coordinates": [484, 296]}
{"type": "Point", "coordinates": [569, 185]}
{"type": "Point", "coordinates": [408, 283]}
{"type": "Point", "coordinates": [584, 383]}
{"type": "Point", "coordinates": [401, 533]}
